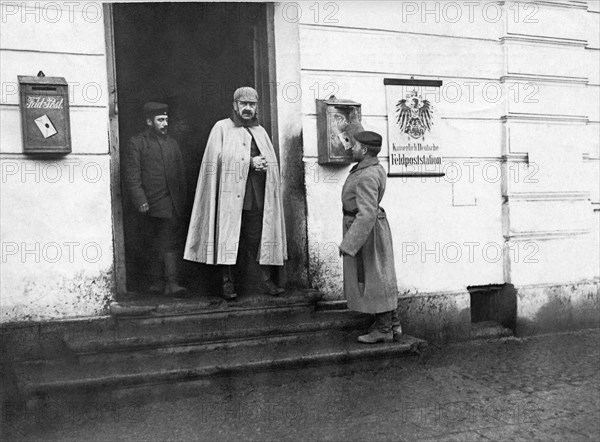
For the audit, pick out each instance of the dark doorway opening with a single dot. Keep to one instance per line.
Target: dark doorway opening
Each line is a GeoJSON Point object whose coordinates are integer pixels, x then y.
{"type": "Point", "coordinates": [191, 56]}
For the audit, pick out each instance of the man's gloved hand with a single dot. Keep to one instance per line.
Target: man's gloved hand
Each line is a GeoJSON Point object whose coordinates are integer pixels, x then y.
{"type": "Point", "coordinates": [144, 208]}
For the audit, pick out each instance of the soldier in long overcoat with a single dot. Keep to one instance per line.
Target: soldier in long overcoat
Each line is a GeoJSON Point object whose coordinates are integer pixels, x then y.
{"type": "Point", "coordinates": [155, 180]}
{"type": "Point", "coordinates": [369, 274]}
{"type": "Point", "coordinates": [238, 197]}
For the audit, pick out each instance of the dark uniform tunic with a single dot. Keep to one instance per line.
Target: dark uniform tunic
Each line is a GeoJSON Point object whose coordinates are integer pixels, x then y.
{"type": "Point", "coordinates": [156, 175]}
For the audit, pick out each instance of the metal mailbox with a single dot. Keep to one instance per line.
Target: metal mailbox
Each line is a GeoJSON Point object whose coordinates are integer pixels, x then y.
{"type": "Point", "coordinates": [337, 121]}
{"type": "Point", "coordinates": [45, 114]}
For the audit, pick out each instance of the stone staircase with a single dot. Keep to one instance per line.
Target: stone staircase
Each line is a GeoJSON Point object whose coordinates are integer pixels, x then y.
{"type": "Point", "coordinates": [158, 348]}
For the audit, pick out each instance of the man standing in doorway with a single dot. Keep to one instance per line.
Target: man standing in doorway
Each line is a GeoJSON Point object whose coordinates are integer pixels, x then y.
{"type": "Point", "coordinates": [238, 198]}
{"type": "Point", "coordinates": [155, 180]}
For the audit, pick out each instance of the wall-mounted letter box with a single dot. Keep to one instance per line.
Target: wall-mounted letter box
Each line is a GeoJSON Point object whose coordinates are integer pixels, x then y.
{"type": "Point", "coordinates": [45, 114]}
{"type": "Point", "coordinates": [337, 121]}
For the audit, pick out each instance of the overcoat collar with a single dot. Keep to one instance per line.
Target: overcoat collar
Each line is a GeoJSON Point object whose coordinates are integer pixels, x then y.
{"type": "Point", "coordinates": [367, 162]}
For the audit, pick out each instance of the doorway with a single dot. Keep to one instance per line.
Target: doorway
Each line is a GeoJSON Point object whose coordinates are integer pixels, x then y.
{"type": "Point", "coordinates": [191, 56]}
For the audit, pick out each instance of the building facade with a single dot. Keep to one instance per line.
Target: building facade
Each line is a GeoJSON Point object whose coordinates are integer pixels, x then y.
{"type": "Point", "coordinates": [509, 231]}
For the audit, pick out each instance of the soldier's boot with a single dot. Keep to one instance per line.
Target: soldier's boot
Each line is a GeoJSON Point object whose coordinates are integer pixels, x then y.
{"type": "Point", "coordinates": [157, 271]}
{"type": "Point", "coordinates": [382, 330]}
{"type": "Point", "coordinates": [376, 336]}
{"type": "Point", "coordinates": [269, 287]}
{"type": "Point", "coordinates": [228, 290]}
{"type": "Point", "coordinates": [172, 287]}
{"type": "Point", "coordinates": [396, 326]}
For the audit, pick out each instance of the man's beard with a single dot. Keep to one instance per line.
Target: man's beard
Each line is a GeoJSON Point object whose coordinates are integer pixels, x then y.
{"type": "Point", "coordinates": [247, 113]}
{"type": "Point", "coordinates": [162, 132]}
{"type": "Point", "coordinates": [244, 119]}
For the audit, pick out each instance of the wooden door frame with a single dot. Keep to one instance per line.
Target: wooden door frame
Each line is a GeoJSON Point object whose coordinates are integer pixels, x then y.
{"type": "Point", "coordinates": [267, 71]}
{"type": "Point", "coordinates": [264, 74]}
{"type": "Point", "coordinates": [120, 274]}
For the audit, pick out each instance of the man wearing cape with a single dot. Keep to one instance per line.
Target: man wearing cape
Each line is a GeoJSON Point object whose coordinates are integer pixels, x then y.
{"type": "Point", "coordinates": [238, 197]}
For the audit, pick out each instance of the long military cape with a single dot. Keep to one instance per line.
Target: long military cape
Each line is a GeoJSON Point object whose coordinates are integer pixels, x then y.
{"type": "Point", "coordinates": [215, 224]}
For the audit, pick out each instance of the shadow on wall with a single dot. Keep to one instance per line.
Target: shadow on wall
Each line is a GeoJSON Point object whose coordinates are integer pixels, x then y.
{"type": "Point", "coordinates": [443, 317]}
{"type": "Point", "coordinates": [438, 318]}
{"type": "Point", "coordinates": [567, 307]}
{"type": "Point", "coordinates": [294, 205]}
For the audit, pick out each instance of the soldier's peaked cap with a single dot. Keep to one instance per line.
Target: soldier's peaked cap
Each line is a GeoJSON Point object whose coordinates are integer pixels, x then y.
{"type": "Point", "coordinates": [152, 109]}
{"type": "Point", "coordinates": [368, 138]}
{"type": "Point", "coordinates": [245, 93]}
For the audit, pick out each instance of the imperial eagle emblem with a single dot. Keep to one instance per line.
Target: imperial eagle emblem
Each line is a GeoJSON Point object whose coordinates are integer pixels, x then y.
{"type": "Point", "coordinates": [414, 116]}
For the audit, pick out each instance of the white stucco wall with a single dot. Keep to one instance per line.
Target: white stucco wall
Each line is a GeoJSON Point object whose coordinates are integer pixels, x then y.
{"type": "Point", "coordinates": [56, 222]}
{"type": "Point", "coordinates": [56, 226]}
{"type": "Point", "coordinates": [542, 133]}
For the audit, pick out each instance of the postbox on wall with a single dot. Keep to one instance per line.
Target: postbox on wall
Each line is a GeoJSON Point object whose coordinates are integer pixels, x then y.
{"type": "Point", "coordinates": [337, 121]}
{"type": "Point", "coordinates": [45, 114]}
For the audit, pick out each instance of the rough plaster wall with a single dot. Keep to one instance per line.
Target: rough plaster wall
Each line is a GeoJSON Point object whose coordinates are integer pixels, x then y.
{"type": "Point", "coordinates": [325, 61]}
{"type": "Point", "coordinates": [548, 308]}
{"type": "Point", "coordinates": [55, 218]}
{"type": "Point", "coordinates": [290, 145]}
{"type": "Point", "coordinates": [537, 213]}
{"type": "Point", "coordinates": [432, 220]}
{"type": "Point", "coordinates": [56, 238]}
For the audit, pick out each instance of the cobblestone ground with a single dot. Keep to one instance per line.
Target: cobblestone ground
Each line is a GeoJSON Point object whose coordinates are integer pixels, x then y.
{"type": "Point", "coordinates": [542, 388]}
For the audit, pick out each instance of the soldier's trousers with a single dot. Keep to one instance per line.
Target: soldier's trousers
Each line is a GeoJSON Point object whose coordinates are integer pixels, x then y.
{"type": "Point", "coordinates": [163, 235]}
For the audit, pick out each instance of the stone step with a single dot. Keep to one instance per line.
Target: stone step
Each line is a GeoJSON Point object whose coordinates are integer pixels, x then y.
{"type": "Point", "coordinates": [233, 326]}
{"type": "Point", "coordinates": [171, 347]}
{"type": "Point", "coordinates": [159, 306]}
{"type": "Point", "coordinates": [332, 305]}
{"type": "Point", "coordinates": [44, 380]}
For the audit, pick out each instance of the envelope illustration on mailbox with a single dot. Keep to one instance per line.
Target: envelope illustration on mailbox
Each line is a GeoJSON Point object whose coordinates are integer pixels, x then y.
{"type": "Point", "coordinates": [45, 126]}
